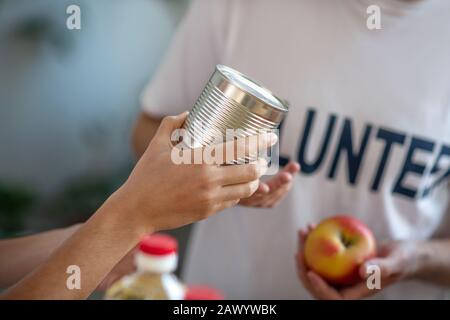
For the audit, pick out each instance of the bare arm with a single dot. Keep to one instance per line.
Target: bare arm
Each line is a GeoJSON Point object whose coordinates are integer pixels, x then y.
{"type": "Point", "coordinates": [20, 256]}
{"type": "Point", "coordinates": [144, 131]}
{"type": "Point", "coordinates": [148, 201]}
{"type": "Point", "coordinates": [434, 265]}
{"type": "Point", "coordinates": [95, 247]}
{"type": "Point", "coordinates": [31, 251]}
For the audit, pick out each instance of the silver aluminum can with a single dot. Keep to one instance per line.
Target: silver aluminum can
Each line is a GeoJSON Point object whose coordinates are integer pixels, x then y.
{"type": "Point", "coordinates": [231, 100]}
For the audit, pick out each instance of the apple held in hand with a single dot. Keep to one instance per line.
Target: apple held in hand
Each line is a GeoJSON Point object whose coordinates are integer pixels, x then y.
{"type": "Point", "coordinates": [337, 247]}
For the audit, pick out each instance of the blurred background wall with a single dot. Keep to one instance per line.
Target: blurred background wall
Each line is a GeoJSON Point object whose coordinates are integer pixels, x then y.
{"type": "Point", "coordinates": [68, 99]}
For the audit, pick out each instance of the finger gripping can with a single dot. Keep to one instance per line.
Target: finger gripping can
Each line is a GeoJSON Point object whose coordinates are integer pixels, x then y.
{"type": "Point", "coordinates": [231, 100]}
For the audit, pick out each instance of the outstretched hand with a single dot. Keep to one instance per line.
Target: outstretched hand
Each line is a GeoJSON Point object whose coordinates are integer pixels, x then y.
{"type": "Point", "coordinates": [272, 191]}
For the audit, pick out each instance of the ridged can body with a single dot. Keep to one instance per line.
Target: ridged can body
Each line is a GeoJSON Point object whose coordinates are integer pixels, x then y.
{"type": "Point", "coordinates": [230, 100]}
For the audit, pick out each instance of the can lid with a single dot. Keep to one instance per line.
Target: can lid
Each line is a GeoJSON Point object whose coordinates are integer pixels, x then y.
{"type": "Point", "coordinates": [202, 293]}
{"type": "Point", "coordinates": [248, 93]}
{"type": "Point", "coordinates": [158, 244]}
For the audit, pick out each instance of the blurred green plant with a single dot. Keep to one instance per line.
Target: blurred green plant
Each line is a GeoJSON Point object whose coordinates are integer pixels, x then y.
{"type": "Point", "coordinates": [42, 28]}
{"type": "Point", "coordinates": [81, 197]}
{"type": "Point", "coordinates": [15, 201]}
{"type": "Point", "coordinates": [37, 26]}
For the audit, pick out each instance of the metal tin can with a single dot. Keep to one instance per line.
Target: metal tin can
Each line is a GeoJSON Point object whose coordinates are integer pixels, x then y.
{"type": "Point", "coordinates": [231, 100]}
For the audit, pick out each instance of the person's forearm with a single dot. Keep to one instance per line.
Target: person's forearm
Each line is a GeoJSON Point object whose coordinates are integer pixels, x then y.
{"type": "Point", "coordinates": [95, 248]}
{"type": "Point", "coordinates": [20, 256]}
{"type": "Point", "coordinates": [144, 130]}
{"type": "Point", "coordinates": [434, 261]}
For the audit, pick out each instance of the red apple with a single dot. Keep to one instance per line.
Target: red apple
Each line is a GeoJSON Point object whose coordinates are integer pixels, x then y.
{"type": "Point", "coordinates": [337, 247]}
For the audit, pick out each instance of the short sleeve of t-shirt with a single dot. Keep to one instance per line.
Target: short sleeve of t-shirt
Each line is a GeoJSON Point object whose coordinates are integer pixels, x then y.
{"type": "Point", "coordinates": [195, 50]}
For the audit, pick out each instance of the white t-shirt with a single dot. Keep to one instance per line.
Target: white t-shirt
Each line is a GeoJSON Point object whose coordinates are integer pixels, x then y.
{"type": "Point", "coordinates": [369, 123]}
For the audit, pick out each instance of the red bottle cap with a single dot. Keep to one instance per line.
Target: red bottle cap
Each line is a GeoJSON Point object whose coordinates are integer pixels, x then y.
{"type": "Point", "coordinates": [203, 293]}
{"type": "Point", "coordinates": [158, 244]}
